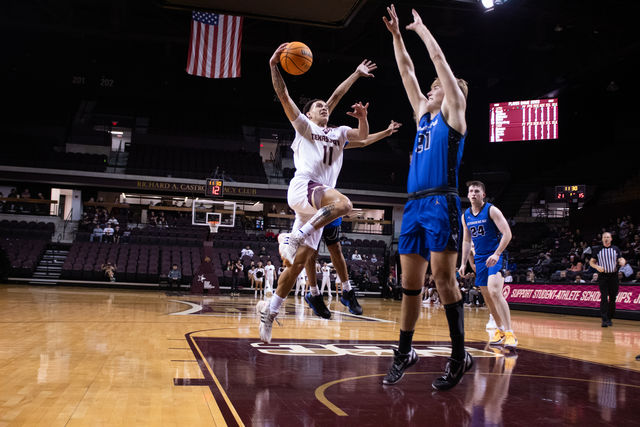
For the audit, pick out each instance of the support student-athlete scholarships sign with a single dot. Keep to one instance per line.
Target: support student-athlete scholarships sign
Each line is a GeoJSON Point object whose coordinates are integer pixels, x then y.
{"type": "Point", "coordinates": [576, 295]}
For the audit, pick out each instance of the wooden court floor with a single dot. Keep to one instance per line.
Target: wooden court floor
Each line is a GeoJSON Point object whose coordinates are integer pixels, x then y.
{"type": "Point", "coordinates": [98, 357]}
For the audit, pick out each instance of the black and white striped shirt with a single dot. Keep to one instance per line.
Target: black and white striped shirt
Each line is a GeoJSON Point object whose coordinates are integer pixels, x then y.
{"type": "Point", "coordinates": [607, 257]}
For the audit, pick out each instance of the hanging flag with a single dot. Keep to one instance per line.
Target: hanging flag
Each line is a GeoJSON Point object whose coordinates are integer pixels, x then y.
{"type": "Point", "coordinates": [214, 50]}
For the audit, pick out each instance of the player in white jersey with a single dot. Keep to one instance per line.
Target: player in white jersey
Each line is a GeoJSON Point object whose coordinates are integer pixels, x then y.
{"type": "Point", "coordinates": [301, 282]}
{"type": "Point", "coordinates": [326, 279]}
{"type": "Point", "coordinates": [317, 157]}
{"type": "Point", "coordinates": [269, 276]}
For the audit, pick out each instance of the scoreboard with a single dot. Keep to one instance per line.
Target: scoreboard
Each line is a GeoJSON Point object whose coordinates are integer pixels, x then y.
{"type": "Point", "coordinates": [214, 188]}
{"type": "Point", "coordinates": [524, 120]}
{"type": "Point", "coordinates": [570, 192]}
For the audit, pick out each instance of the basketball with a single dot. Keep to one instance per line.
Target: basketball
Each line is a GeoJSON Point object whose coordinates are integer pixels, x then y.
{"type": "Point", "coordinates": [296, 59]}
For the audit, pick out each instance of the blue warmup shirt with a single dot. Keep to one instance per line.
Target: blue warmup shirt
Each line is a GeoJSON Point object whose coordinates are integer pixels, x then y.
{"type": "Point", "coordinates": [484, 233]}
{"type": "Point", "coordinates": [437, 152]}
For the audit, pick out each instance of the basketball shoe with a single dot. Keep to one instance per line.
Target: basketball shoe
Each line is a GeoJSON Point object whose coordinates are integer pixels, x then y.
{"type": "Point", "coordinates": [317, 305]}
{"type": "Point", "coordinates": [401, 362]}
{"type": "Point", "coordinates": [498, 338]}
{"type": "Point", "coordinates": [266, 320]}
{"type": "Point", "coordinates": [510, 340]}
{"type": "Point", "coordinates": [288, 246]}
{"type": "Point", "coordinates": [349, 300]}
{"type": "Point", "coordinates": [453, 372]}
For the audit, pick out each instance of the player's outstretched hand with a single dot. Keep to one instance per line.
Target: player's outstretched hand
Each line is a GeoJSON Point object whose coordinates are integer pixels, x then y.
{"type": "Point", "coordinates": [365, 68]}
{"type": "Point", "coordinates": [461, 270]}
{"type": "Point", "coordinates": [393, 127]}
{"type": "Point", "coordinates": [417, 21]}
{"type": "Point", "coordinates": [359, 110]}
{"type": "Point", "coordinates": [392, 23]}
{"type": "Point", "coordinates": [275, 58]}
{"type": "Point", "coordinates": [492, 260]}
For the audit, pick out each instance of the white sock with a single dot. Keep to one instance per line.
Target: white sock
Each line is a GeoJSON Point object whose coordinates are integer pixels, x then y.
{"type": "Point", "coordinates": [305, 230]}
{"type": "Point", "coordinates": [346, 286]}
{"type": "Point", "coordinates": [314, 290]}
{"type": "Point", "coordinates": [275, 303]}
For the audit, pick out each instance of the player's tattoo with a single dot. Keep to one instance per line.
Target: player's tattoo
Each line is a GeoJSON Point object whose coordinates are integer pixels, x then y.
{"type": "Point", "coordinates": [278, 82]}
{"type": "Point", "coordinates": [323, 216]}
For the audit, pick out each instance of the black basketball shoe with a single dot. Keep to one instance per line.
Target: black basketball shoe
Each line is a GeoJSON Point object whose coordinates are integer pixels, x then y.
{"type": "Point", "coordinates": [317, 305]}
{"type": "Point", "coordinates": [401, 362]}
{"type": "Point", "coordinates": [349, 300]}
{"type": "Point", "coordinates": [453, 373]}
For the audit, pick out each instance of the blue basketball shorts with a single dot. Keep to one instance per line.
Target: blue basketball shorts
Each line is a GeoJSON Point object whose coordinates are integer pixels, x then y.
{"type": "Point", "coordinates": [430, 224]}
{"type": "Point", "coordinates": [483, 272]}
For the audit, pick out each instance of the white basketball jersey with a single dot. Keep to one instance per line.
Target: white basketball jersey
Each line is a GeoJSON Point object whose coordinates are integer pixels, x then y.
{"type": "Point", "coordinates": [326, 271]}
{"type": "Point", "coordinates": [302, 277]}
{"type": "Point", "coordinates": [269, 271]}
{"type": "Point", "coordinates": [317, 151]}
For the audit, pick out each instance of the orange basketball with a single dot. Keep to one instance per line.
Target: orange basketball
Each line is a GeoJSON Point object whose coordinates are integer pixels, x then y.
{"type": "Point", "coordinates": [296, 58]}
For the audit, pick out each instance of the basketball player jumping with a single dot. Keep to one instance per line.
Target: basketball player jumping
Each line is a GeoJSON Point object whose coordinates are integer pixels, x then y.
{"type": "Point", "coordinates": [431, 219]}
{"type": "Point", "coordinates": [485, 225]}
{"type": "Point", "coordinates": [317, 153]}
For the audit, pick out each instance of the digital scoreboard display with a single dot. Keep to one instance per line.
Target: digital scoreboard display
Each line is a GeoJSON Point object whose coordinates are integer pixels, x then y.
{"type": "Point", "coordinates": [570, 192]}
{"type": "Point", "coordinates": [524, 120]}
{"type": "Point", "coordinates": [214, 188]}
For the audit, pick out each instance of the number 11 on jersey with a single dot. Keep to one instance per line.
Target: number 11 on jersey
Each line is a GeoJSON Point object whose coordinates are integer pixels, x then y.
{"type": "Point", "coordinates": [327, 159]}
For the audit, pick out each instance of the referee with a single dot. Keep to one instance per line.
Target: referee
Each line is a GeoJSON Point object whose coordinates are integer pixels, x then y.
{"type": "Point", "coordinates": [608, 260]}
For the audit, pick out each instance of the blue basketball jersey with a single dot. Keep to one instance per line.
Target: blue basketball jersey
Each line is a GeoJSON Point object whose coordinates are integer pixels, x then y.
{"type": "Point", "coordinates": [335, 223]}
{"type": "Point", "coordinates": [484, 233]}
{"type": "Point", "coordinates": [437, 151]}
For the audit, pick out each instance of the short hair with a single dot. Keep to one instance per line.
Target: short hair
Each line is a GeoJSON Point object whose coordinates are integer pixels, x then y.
{"type": "Point", "coordinates": [462, 84]}
{"type": "Point", "coordinates": [309, 104]}
{"type": "Point", "coordinates": [476, 184]}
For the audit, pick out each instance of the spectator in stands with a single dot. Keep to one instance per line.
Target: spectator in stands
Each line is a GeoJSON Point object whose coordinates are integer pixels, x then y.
{"type": "Point", "coordinates": [637, 278]}
{"type": "Point", "coordinates": [391, 289]}
{"type": "Point", "coordinates": [174, 276]}
{"type": "Point", "coordinates": [108, 234]}
{"type": "Point", "coordinates": [246, 252]}
{"type": "Point", "coordinates": [236, 272]}
{"type": "Point", "coordinates": [356, 256]}
{"type": "Point", "coordinates": [97, 234]}
{"type": "Point", "coordinates": [250, 274]}
{"type": "Point", "coordinates": [594, 278]}
{"type": "Point", "coordinates": [117, 233]}
{"type": "Point", "coordinates": [109, 271]}
{"type": "Point", "coordinates": [374, 259]}
{"type": "Point", "coordinates": [112, 221]}
{"type": "Point", "coordinates": [508, 278]}
{"type": "Point", "coordinates": [530, 277]}
{"type": "Point", "coordinates": [26, 194]}
{"type": "Point", "coordinates": [229, 266]}
{"type": "Point", "coordinates": [263, 252]}
{"type": "Point", "coordinates": [625, 273]}
{"type": "Point", "coordinates": [585, 250]}
{"type": "Point", "coordinates": [579, 279]}
{"type": "Point", "coordinates": [273, 209]}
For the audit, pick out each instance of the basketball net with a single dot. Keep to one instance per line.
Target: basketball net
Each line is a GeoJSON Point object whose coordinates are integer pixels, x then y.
{"type": "Point", "coordinates": [213, 226]}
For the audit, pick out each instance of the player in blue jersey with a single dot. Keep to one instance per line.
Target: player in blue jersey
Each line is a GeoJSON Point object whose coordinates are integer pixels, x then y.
{"type": "Point", "coordinates": [486, 226]}
{"type": "Point", "coordinates": [431, 220]}
{"type": "Point", "coordinates": [331, 237]}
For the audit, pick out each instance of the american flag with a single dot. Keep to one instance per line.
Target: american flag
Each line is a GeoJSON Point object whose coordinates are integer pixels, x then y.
{"type": "Point", "coordinates": [214, 50]}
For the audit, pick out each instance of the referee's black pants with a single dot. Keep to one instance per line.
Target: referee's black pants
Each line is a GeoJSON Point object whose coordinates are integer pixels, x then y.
{"type": "Point", "coordinates": [608, 283]}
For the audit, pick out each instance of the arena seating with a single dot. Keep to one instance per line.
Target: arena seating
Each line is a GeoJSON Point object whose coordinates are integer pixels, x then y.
{"type": "Point", "coordinates": [41, 154]}
{"type": "Point", "coordinates": [26, 230]}
{"type": "Point", "coordinates": [23, 254]}
{"type": "Point", "coordinates": [146, 159]}
{"type": "Point", "coordinates": [134, 262]}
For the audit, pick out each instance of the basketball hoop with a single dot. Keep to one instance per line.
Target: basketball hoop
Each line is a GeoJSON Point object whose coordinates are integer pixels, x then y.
{"type": "Point", "coordinates": [213, 225]}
